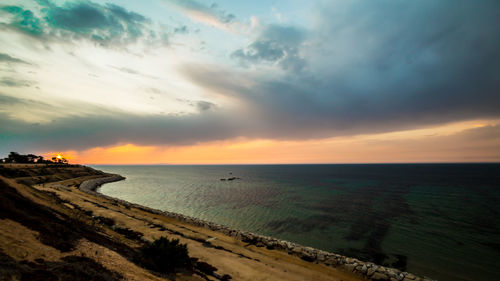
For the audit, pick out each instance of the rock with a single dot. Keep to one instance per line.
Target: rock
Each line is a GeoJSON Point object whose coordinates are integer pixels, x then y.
{"type": "Point", "coordinates": [364, 268]}
{"type": "Point", "coordinates": [259, 244]}
{"type": "Point", "coordinates": [309, 253]}
{"type": "Point", "coordinates": [349, 267]}
{"type": "Point", "coordinates": [331, 260]}
{"type": "Point", "coordinates": [297, 250]}
{"type": "Point", "coordinates": [381, 269]}
{"type": "Point", "coordinates": [391, 273]}
{"type": "Point", "coordinates": [379, 276]}
{"type": "Point", "coordinates": [370, 271]}
{"type": "Point", "coordinates": [307, 258]}
{"type": "Point", "coordinates": [410, 276]}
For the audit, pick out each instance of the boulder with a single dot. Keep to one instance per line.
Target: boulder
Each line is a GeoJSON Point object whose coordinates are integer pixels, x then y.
{"type": "Point", "coordinates": [393, 274]}
{"type": "Point", "coordinates": [370, 271]}
{"type": "Point", "coordinates": [410, 276]}
{"type": "Point", "coordinates": [349, 267]}
{"type": "Point", "coordinates": [379, 276]}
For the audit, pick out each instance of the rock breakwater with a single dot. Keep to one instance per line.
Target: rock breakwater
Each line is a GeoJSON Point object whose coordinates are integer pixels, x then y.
{"type": "Point", "coordinates": [92, 184]}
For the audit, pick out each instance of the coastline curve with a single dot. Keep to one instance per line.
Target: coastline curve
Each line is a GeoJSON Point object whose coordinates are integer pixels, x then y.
{"type": "Point", "coordinates": [367, 270]}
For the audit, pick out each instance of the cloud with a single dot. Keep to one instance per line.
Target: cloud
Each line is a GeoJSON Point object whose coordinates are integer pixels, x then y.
{"type": "Point", "coordinates": [13, 82]}
{"type": "Point", "coordinates": [9, 59]}
{"type": "Point", "coordinates": [462, 145]}
{"type": "Point", "coordinates": [276, 45]}
{"type": "Point", "coordinates": [23, 20]}
{"type": "Point", "coordinates": [204, 105]}
{"type": "Point", "coordinates": [132, 71]}
{"type": "Point", "coordinates": [79, 132]}
{"type": "Point", "coordinates": [39, 109]}
{"type": "Point", "coordinates": [181, 29]}
{"type": "Point", "coordinates": [374, 68]}
{"type": "Point", "coordinates": [108, 25]}
{"type": "Point", "coordinates": [125, 70]}
{"type": "Point", "coordinates": [210, 15]}
{"type": "Point", "coordinates": [7, 100]}
{"type": "Point", "coordinates": [470, 145]}
{"type": "Point", "coordinates": [100, 23]}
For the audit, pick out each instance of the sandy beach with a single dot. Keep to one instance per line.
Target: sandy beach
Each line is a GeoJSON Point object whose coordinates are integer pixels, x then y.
{"type": "Point", "coordinates": [63, 220]}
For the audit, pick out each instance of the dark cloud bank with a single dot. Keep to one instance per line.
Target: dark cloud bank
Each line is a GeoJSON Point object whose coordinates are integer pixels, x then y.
{"type": "Point", "coordinates": [372, 67]}
{"type": "Point", "coordinates": [365, 67]}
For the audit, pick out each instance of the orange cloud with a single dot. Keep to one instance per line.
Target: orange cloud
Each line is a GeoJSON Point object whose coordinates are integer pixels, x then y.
{"type": "Point", "coordinates": [120, 154]}
{"type": "Point", "coordinates": [459, 142]}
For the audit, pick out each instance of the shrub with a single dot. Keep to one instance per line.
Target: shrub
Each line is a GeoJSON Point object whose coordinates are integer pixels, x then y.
{"type": "Point", "coordinates": [164, 255]}
{"type": "Point", "coordinates": [129, 233]}
{"type": "Point", "coordinates": [29, 182]}
{"type": "Point", "coordinates": [106, 221]}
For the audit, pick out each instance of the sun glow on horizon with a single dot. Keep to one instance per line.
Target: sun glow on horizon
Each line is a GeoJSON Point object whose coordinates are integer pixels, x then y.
{"type": "Point", "coordinates": [447, 143]}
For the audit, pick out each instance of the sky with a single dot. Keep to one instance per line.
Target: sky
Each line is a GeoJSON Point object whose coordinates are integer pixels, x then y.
{"type": "Point", "coordinates": [257, 82]}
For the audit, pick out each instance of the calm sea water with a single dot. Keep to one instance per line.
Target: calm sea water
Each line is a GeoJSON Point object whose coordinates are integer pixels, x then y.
{"type": "Point", "coordinates": [437, 220]}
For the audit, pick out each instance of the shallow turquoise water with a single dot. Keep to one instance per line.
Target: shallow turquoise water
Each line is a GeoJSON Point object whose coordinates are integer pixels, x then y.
{"type": "Point", "coordinates": [437, 220]}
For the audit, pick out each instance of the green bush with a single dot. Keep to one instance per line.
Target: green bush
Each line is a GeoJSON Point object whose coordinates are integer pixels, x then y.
{"type": "Point", "coordinates": [165, 255]}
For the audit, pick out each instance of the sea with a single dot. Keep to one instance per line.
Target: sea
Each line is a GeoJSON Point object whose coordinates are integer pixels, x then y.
{"type": "Point", "coordinates": [441, 221]}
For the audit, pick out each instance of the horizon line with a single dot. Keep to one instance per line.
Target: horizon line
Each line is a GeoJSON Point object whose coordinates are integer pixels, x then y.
{"type": "Point", "coordinates": [269, 164]}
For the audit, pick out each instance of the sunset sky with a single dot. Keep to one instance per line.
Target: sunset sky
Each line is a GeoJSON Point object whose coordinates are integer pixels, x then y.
{"type": "Point", "coordinates": [203, 82]}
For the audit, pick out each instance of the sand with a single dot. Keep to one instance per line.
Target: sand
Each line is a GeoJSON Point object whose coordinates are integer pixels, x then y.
{"type": "Point", "coordinates": [22, 242]}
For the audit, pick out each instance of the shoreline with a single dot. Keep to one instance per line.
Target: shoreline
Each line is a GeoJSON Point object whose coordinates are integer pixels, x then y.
{"type": "Point", "coordinates": [366, 270]}
{"type": "Point", "coordinates": [93, 184]}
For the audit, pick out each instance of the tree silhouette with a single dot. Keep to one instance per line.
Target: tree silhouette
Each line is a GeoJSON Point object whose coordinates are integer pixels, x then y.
{"type": "Point", "coordinates": [15, 157]}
